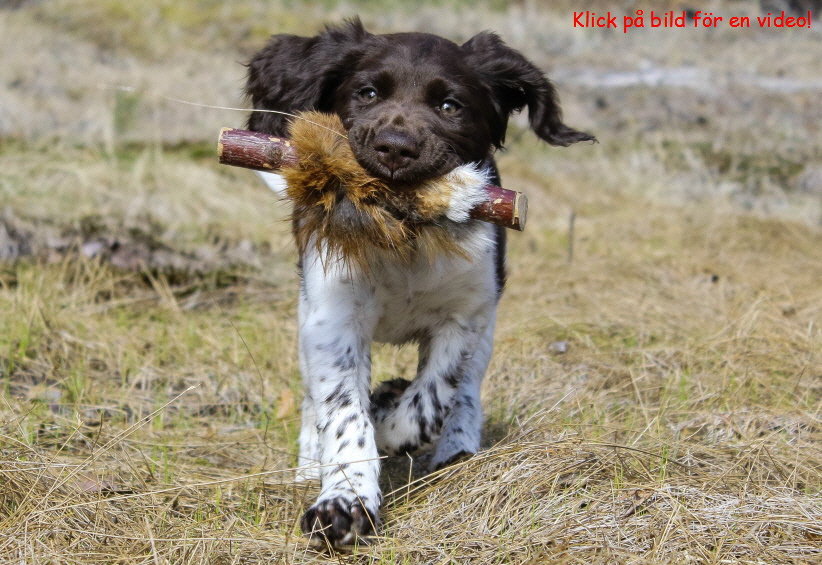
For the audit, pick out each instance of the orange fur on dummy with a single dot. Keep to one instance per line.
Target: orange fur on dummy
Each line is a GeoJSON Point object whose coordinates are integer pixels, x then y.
{"type": "Point", "coordinates": [344, 211]}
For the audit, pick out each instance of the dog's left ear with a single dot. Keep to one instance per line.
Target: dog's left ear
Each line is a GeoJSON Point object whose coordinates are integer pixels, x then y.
{"type": "Point", "coordinates": [516, 83]}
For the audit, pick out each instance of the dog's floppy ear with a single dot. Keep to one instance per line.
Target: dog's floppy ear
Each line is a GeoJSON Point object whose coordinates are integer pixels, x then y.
{"type": "Point", "coordinates": [293, 73]}
{"type": "Point", "coordinates": [516, 83]}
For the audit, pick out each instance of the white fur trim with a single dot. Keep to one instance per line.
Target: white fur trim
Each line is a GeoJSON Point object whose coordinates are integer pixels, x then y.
{"type": "Point", "coordinates": [467, 190]}
{"type": "Point", "coordinates": [274, 181]}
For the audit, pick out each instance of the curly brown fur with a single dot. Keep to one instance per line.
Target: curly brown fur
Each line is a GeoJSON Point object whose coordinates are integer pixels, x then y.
{"type": "Point", "coordinates": [344, 210]}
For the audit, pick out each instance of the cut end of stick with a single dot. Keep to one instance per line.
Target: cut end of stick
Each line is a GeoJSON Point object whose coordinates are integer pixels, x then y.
{"type": "Point", "coordinates": [520, 215]}
{"type": "Point", "coordinates": [220, 146]}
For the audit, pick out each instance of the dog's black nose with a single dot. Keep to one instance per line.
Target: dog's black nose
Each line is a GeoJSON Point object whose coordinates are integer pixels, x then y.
{"type": "Point", "coordinates": [396, 149]}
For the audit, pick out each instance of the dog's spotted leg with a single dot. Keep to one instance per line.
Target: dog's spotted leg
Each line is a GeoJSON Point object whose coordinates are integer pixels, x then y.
{"type": "Point", "coordinates": [336, 325]}
{"type": "Point", "coordinates": [452, 363]}
{"type": "Point", "coordinates": [309, 458]}
{"type": "Point", "coordinates": [460, 435]}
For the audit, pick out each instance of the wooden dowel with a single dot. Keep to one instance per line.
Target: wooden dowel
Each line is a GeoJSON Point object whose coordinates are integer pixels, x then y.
{"type": "Point", "coordinates": [254, 150]}
{"type": "Point", "coordinates": [262, 152]}
{"type": "Point", "coordinates": [504, 207]}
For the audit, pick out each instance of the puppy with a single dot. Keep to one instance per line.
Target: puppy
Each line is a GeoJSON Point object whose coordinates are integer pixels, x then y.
{"type": "Point", "coordinates": [415, 106]}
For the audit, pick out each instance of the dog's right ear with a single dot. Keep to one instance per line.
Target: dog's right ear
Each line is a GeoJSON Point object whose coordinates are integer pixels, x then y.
{"type": "Point", "coordinates": [293, 74]}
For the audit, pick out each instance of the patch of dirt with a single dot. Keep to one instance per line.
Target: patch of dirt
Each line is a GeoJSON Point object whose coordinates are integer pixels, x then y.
{"type": "Point", "coordinates": [129, 249]}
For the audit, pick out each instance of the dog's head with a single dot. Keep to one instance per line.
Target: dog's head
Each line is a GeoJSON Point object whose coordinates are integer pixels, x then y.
{"type": "Point", "coordinates": [415, 105]}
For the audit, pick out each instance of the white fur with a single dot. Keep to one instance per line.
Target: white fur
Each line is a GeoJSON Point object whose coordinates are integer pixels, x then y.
{"type": "Point", "coordinates": [445, 303]}
{"type": "Point", "coordinates": [467, 184]}
{"type": "Point", "coordinates": [274, 181]}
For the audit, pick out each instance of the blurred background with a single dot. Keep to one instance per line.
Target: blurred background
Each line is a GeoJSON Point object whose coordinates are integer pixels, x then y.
{"type": "Point", "coordinates": [682, 114]}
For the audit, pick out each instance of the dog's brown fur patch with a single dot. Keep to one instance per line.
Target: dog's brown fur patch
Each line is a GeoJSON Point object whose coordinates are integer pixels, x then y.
{"type": "Point", "coordinates": [343, 210]}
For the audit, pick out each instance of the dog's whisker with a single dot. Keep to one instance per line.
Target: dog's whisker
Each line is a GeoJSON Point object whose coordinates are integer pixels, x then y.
{"type": "Point", "coordinates": [125, 88]}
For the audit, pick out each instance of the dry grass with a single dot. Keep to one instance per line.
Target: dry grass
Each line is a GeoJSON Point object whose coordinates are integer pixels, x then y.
{"type": "Point", "coordinates": [733, 489]}
{"type": "Point", "coordinates": [656, 390]}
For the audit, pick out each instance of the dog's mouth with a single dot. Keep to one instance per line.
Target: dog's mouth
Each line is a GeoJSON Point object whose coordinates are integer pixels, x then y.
{"type": "Point", "coordinates": [397, 177]}
{"type": "Point", "coordinates": [400, 159]}
{"type": "Point", "coordinates": [406, 176]}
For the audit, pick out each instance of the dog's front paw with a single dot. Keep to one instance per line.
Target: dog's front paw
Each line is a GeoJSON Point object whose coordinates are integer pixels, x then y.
{"type": "Point", "coordinates": [338, 521]}
{"type": "Point", "coordinates": [440, 462]}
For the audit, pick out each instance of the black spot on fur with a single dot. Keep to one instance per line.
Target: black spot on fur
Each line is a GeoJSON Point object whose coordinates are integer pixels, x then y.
{"type": "Point", "coordinates": [344, 400]}
{"type": "Point", "coordinates": [434, 396]}
{"type": "Point", "coordinates": [425, 437]}
{"type": "Point", "coordinates": [387, 396]}
{"type": "Point", "coordinates": [344, 425]}
{"type": "Point", "coordinates": [336, 393]}
{"type": "Point", "coordinates": [453, 379]}
{"type": "Point", "coordinates": [406, 449]}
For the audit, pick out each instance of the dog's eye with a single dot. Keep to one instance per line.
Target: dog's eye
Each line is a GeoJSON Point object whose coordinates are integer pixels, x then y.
{"type": "Point", "coordinates": [449, 107]}
{"type": "Point", "coordinates": [367, 94]}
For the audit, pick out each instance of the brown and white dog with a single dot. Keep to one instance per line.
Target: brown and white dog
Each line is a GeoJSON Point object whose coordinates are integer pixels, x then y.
{"type": "Point", "coordinates": [415, 107]}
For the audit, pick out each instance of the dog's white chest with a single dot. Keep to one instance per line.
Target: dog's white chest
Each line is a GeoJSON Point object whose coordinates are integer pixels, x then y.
{"type": "Point", "coordinates": [414, 300]}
